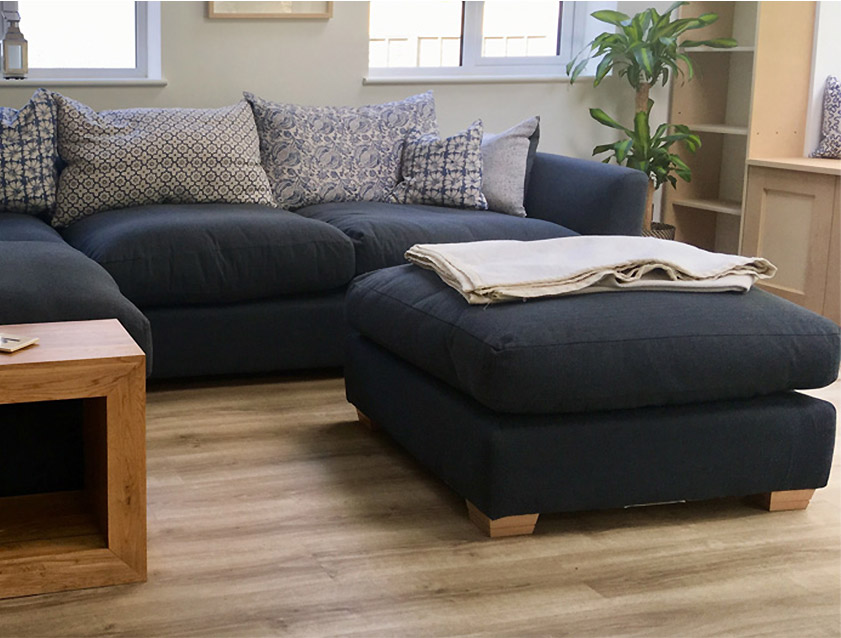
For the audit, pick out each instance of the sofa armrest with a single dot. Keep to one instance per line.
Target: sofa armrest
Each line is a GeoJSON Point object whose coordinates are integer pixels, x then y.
{"type": "Point", "coordinates": [589, 197]}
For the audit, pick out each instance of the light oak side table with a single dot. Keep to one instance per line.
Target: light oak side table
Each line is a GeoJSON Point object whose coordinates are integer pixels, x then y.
{"type": "Point", "coordinates": [95, 536]}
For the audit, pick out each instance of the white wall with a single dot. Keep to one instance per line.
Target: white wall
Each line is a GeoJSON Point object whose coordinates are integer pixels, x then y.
{"type": "Point", "coordinates": [210, 62]}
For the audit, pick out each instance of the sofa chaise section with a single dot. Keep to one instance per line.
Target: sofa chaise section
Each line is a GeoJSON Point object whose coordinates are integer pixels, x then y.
{"type": "Point", "coordinates": [42, 279]}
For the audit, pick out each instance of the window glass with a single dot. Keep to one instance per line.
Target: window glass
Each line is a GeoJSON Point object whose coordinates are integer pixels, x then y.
{"type": "Point", "coordinates": [414, 34]}
{"type": "Point", "coordinates": [79, 35]}
{"type": "Point", "coordinates": [519, 29]}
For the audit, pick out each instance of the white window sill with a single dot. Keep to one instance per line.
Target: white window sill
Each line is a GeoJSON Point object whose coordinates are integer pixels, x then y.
{"type": "Point", "coordinates": [467, 79]}
{"type": "Point", "coordinates": [84, 82]}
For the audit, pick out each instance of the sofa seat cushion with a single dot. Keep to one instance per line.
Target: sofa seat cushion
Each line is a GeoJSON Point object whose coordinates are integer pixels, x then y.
{"type": "Point", "coordinates": [599, 351]}
{"type": "Point", "coordinates": [213, 253]}
{"type": "Point", "coordinates": [382, 233]}
{"type": "Point", "coordinates": [20, 227]}
{"type": "Point", "coordinates": [50, 281]}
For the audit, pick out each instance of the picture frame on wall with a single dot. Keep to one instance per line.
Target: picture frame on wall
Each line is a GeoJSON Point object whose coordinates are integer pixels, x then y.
{"type": "Point", "coordinates": [270, 10]}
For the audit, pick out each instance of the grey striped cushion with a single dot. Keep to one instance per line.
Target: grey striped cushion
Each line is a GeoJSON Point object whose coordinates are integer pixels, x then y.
{"type": "Point", "coordinates": [443, 172]}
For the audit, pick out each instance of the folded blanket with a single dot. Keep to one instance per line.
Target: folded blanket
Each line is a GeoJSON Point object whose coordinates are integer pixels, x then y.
{"type": "Point", "coordinates": [492, 271]}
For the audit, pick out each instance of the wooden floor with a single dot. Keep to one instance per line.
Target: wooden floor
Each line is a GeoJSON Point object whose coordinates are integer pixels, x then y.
{"type": "Point", "coordinates": [272, 513]}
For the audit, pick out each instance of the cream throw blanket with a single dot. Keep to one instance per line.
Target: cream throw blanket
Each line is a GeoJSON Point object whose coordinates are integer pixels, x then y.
{"type": "Point", "coordinates": [493, 271]}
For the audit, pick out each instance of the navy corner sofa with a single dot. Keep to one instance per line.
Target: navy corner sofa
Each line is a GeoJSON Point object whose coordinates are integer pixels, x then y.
{"type": "Point", "coordinates": [210, 289]}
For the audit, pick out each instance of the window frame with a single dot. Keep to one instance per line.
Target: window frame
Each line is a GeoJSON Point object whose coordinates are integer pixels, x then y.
{"type": "Point", "coordinates": [147, 25]}
{"type": "Point", "coordinates": [574, 33]}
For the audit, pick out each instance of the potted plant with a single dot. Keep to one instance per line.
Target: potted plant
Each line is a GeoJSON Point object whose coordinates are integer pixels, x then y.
{"type": "Point", "coordinates": [645, 50]}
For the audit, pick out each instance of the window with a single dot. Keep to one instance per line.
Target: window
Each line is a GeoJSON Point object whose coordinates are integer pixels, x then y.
{"type": "Point", "coordinates": [494, 38]}
{"type": "Point", "coordinates": [90, 38]}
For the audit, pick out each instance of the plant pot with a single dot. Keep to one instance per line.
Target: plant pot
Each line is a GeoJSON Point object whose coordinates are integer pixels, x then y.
{"type": "Point", "coordinates": [659, 230]}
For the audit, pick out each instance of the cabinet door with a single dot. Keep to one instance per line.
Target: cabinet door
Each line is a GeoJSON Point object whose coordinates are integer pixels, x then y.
{"type": "Point", "coordinates": [788, 220]}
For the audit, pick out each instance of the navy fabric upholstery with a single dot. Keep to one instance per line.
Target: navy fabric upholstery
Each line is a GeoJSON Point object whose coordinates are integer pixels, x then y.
{"type": "Point", "coordinates": [20, 227]}
{"type": "Point", "coordinates": [46, 281]}
{"type": "Point", "coordinates": [523, 464]}
{"type": "Point", "coordinates": [288, 333]}
{"type": "Point", "coordinates": [213, 253]}
{"type": "Point", "coordinates": [589, 197]}
{"type": "Point", "coordinates": [381, 232]}
{"type": "Point", "coordinates": [600, 351]}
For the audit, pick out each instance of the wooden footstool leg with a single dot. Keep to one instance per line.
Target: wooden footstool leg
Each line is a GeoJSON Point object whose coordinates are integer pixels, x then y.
{"type": "Point", "coordinates": [364, 420]}
{"type": "Point", "coordinates": [520, 525]}
{"type": "Point", "coordinates": [781, 501]}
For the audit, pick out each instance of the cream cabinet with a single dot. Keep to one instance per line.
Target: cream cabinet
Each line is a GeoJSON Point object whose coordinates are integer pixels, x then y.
{"type": "Point", "coordinates": [791, 218]}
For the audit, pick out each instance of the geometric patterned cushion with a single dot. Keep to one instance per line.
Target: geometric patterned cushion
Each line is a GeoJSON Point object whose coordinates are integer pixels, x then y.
{"type": "Point", "coordinates": [28, 156]}
{"type": "Point", "coordinates": [444, 172]}
{"type": "Point", "coordinates": [134, 157]}
{"type": "Point", "coordinates": [322, 154]}
{"type": "Point", "coordinates": [830, 145]}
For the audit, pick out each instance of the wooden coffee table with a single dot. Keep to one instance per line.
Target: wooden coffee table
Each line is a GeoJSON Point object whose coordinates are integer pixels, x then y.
{"type": "Point", "coordinates": [96, 536]}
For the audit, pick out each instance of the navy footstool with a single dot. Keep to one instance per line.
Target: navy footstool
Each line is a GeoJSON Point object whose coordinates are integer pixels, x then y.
{"type": "Point", "coordinates": [594, 401]}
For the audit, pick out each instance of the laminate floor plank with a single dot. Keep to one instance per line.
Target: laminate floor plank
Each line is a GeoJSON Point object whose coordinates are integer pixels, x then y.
{"type": "Point", "coordinates": [272, 512]}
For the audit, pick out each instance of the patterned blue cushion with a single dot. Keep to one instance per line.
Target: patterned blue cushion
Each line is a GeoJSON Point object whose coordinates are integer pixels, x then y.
{"type": "Point", "coordinates": [321, 154]}
{"type": "Point", "coordinates": [830, 145]}
{"type": "Point", "coordinates": [133, 157]}
{"type": "Point", "coordinates": [28, 156]}
{"type": "Point", "coordinates": [444, 172]}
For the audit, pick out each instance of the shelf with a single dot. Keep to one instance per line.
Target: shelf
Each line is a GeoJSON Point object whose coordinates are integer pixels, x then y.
{"type": "Point", "coordinates": [740, 49]}
{"type": "Point", "coordinates": [712, 205]}
{"type": "Point", "coordinates": [41, 517]}
{"type": "Point", "coordinates": [724, 129]}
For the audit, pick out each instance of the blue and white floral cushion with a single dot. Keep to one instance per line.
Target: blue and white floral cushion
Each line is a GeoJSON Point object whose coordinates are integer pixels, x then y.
{"type": "Point", "coordinates": [135, 157]}
{"type": "Point", "coordinates": [830, 145]}
{"type": "Point", "coordinates": [443, 172]}
{"type": "Point", "coordinates": [28, 156]}
{"type": "Point", "coordinates": [320, 154]}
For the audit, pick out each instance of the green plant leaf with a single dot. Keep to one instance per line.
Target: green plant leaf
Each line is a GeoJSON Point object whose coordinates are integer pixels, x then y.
{"type": "Point", "coordinates": [579, 68]}
{"type": "Point", "coordinates": [690, 67]}
{"type": "Point", "coordinates": [601, 148]}
{"type": "Point", "coordinates": [708, 18]}
{"type": "Point", "coordinates": [643, 57]}
{"type": "Point", "coordinates": [715, 43]}
{"type": "Point", "coordinates": [603, 118]}
{"type": "Point", "coordinates": [672, 7]}
{"type": "Point", "coordinates": [622, 149]}
{"type": "Point", "coordinates": [611, 17]}
{"type": "Point", "coordinates": [603, 69]}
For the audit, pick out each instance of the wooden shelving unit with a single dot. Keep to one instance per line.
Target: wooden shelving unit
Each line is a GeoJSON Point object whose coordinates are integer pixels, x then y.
{"type": "Point", "coordinates": [716, 104]}
{"type": "Point", "coordinates": [745, 103]}
{"type": "Point", "coordinates": [752, 191]}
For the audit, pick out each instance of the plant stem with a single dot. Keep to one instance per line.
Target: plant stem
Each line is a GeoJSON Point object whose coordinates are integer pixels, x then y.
{"type": "Point", "coordinates": [649, 205]}
{"type": "Point", "coordinates": [641, 102]}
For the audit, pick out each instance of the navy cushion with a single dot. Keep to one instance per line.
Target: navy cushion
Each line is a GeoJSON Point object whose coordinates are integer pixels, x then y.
{"type": "Point", "coordinates": [213, 253]}
{"type": "Point", "coordinates": [382, 232]}
{"type": "Point", "coordinates": [600, 351]}
{"type": "Point", "coordinates": [20, 227]}
{"type": "Point", "coordinates": [47, 281]}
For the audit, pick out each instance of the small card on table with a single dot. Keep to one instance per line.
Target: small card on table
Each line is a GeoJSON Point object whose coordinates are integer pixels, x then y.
{"type": "Point", "coordinates": [11, 343]}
